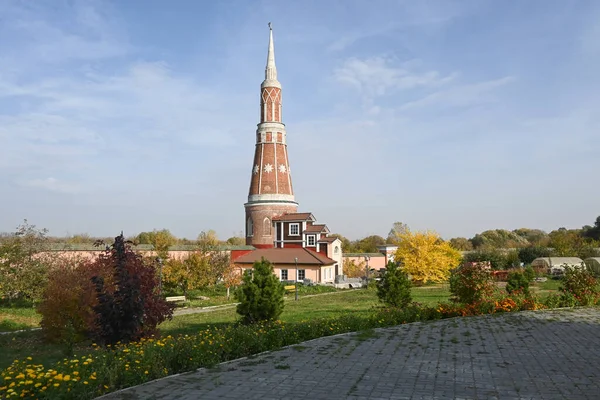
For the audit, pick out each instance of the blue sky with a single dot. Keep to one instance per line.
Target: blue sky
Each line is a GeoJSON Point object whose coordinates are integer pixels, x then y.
{"type": "Point", "coordinates": [454, 116]}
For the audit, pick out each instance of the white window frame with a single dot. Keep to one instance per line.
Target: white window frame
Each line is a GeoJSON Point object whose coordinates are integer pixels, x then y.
{"type": "Point", "coordinates": [314, 240]}
{"type": "Point", "coordinates": [297, 226]}
{"type": "Point", "coordinates": [286, 275]}
{"type": "Point", "coordinates": [303, 275]}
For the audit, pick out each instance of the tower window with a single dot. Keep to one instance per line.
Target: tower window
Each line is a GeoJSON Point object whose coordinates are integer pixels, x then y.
{"type": "Point", "coordinates": [337, 250]}
{"type": "Point", "coordinates": [294, 229]}
{"type": "Point", "coordinates": [267, 227]}
{"type": "Point", "coordinates": [249, 227]}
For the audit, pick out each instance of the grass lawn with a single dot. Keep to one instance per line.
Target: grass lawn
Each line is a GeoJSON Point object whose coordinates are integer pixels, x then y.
{"type": "Point", "coordinates": [14, 319]}
{"type": "Point", "coordinates": [13, 346]}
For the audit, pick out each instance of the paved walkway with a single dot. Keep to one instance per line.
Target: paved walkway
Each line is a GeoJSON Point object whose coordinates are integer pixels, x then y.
{"type": "Point", "coordinates": [529, 355]}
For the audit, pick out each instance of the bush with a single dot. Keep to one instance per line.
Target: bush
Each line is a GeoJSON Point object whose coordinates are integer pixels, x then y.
{"type": "Point", "coordinates": [113, 298]}
{"type": "Point", "coordinates": [67, 303]}
{"type": "Point", "coordinates": [579, 286]}
{"type": "Point", "coordinates": [529, 273]}
{"type": "Point", "coordinates": [260, 295]}
{"type": "Point", "coordinates": [517, 282]}
{"type": "Point", "coordinates": [470, 284]}
{"type": "Point", "coordinates": [498, 259]}
{"type": "Point", "coordinates": [394, 287]}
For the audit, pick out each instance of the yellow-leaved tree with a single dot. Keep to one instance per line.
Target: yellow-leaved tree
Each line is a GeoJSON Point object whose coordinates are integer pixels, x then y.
{"type": "Point", "coordinates": [352, 269]}
{"type": "Point", "coordinates": [425, 256]}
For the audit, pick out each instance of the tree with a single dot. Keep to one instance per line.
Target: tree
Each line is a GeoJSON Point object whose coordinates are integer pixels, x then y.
{"type": "Point", "coordinates": [261, 294]}
{"type": "Point", "coordinates": [592, 232]}
{"type": "Point", "coordinates": [80, 238]}
{"type": "Point", "coordinates": [25, 261]}
{"type": "Point", "coordinates": [208, 240]}
{"type": "Point", "coordinates": [370, 244]}
{"type": "Point", "coordinates": [535, 237]}
{"type": "Point", "coordinates": [498, 239]}
{"type": "Point", "coordinates": [129, 305]}
{"type": "Point", "coordinates": [530, 253]}
{"type": "Point", "coordinates": [495, 257]}
{"type": "Point", "coordinates": [398, 229]}
{"type": "Point", "coordinates": [394, 287]}
{"type": "Point", "coordinates": [354, 270]}
{"type": "Point", "coordinates": [426, 257]}
{"type": "Point", "coordinates": [572, 243]}
{"type": "Point", "coordinates": [161, 241]}
{"type": "Point", "coordinates": [232, 277]}
{"type": "Point", "coordinates": [461, 243]}
{"type": "Point", "coordinates": [347, 245]}
{"type": "Point", "coordinates": [199, 269]}
{"type": "Point", "coordinates": [236, 241]}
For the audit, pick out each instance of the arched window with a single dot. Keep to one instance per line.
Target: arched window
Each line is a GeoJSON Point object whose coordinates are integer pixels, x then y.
{"type": "Point", "coordinates": [249, 227]}
{"type": "Point", "coordinates": [267, 227]}
{"type": "Point", "coordinates": [336, 250]}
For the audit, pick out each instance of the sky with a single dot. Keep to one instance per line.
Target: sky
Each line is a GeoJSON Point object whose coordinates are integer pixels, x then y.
{"type": "Point", "coordinates": [452, 116]}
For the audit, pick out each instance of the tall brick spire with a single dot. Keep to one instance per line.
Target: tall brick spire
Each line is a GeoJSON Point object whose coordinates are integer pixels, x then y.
{"type": "Point", "coordinates": [271, 192]}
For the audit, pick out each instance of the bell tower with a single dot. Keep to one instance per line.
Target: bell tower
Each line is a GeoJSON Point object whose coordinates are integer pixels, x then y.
{"type": "Point", "coordinates": [271, 192]}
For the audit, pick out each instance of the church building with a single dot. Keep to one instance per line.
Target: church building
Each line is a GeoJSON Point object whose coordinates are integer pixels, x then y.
{"type": "Point", "coordinates": [297, 246]}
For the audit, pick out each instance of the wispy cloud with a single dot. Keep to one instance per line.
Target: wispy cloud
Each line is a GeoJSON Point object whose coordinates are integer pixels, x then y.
{"type": "Point", "coordinates": [461, 95]}
{"type": "Point", "coordinates": [378, 76]}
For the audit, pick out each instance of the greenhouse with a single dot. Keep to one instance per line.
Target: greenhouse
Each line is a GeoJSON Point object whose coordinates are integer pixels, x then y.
{"type": "Point", "coordinates": [555, 265]}
{"type": "Point", "coordinates": [593, 264]}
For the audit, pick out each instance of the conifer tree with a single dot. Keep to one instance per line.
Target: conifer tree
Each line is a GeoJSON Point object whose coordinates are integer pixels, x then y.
{"type": "Point", "coordinates": [394, 287]}
{"type": "Point", "coordinates": [260, 295]}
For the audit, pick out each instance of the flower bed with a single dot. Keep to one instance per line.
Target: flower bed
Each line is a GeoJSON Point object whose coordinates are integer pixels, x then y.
{"type": "Point", "coordinates": [105, 370]}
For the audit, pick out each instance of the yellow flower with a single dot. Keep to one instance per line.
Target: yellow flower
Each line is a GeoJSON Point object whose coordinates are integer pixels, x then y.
{"type": "Point", "coordinates": [37, 384]}
{"type": "Point", "coordinates": [67, 378]}
{"type": "Point", "coordinates": [56, 384]}
{"type": "Point", "coordinates": [85, 382]}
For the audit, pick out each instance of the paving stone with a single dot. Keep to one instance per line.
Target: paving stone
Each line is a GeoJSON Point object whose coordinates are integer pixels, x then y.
{"type": "Point", "coordinates": [528, 355]}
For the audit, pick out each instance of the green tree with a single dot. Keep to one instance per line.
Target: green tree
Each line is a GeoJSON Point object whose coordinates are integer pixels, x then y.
{"type": "Point", "coordinates": [347, 245]}
{"type": "Point", "coordinates": [208, 241]}
{"type": "Point", "coordinates": [530, 253]}
{"type": "Point", "coordinates": [260, 295]}
{"type": "Point", "coordinates": [534, 237]}
{"type": "Point", "coordinates": [497, 258]}
{"type": "Point", "coordinates": [498, 239]}
{"type": "Point", "coordinates": [572, 243]}
{"type": "Point", "coordinates": [161, 241]}
{"type": "Point", "coordinates": [24, 263]}
{"type": "Point", "coordinates": [370, 244]}
{"type": "Point", "coordinates": [461, 244]}
{"type": "Point", "coordinates": [393, 289]}
{"type": "Point", "coordinates": [236, 241]}
{"type": "Point", "coordinates": [592, 232]}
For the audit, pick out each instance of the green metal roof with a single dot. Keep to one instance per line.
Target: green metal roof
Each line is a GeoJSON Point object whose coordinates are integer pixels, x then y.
{"type": "Point", "coordinates": [363, 255]}
{"type": "Point", "coordinates": [139, 247]}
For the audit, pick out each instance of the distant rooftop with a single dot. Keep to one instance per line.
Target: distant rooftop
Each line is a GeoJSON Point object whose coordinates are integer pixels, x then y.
{"type": "Point", "coordinates": [139, 247]}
